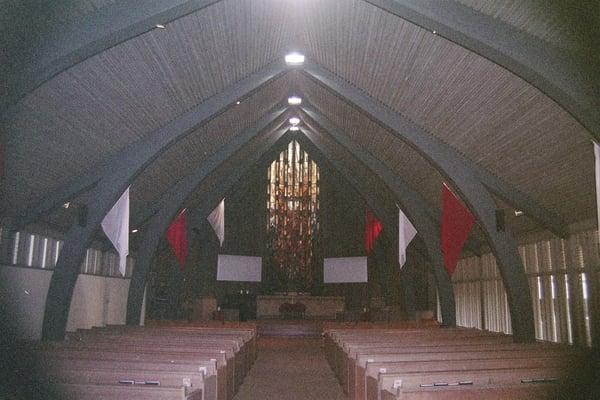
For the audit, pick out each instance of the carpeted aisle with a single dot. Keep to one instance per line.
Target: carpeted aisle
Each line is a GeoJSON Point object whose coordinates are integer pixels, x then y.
{"type": "Point", "coordinates": [290, 369]}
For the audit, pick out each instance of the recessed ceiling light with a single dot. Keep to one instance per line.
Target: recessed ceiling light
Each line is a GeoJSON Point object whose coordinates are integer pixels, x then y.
{"type": "Point", "coordinates": [160, 26]}
{"type": "Point", "coordinates": [66, 205]}
{"type": "Point", "coordinates": [294, 100]}
{"type": "Point", "coordinates": [294, 128]}
{"type": "Point", "coordinates": [294, 59]}
{"type": "Point", "coordinates": [134, 231]}
{"type": "Point", "coordinates": [294, 120]}
{"type": "Point", "coordinates": [434, 32]}
{"type": "Point", "coordinates": [518, 213]}
{"type": "Point", "coordinates": [237, 102]}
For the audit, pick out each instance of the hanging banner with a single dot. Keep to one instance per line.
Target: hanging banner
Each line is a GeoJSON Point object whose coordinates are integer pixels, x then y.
{"type": "Point", "coordinates": [457, 222]}
{"type": "Point", "coordinates": [373, 228]}
{"type": "Point", "coordinates": [406, 233]}
{"type": "Point", "coordinates": [217, 221]}
{"type": "Point", "coordinates": [116, 227]}
{"type": "Point", "coordinates": [177, 238]}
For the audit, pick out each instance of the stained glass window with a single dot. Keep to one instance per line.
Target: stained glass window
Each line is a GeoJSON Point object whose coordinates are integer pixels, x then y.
{"type": "Point", "coordinates": [292, 208]}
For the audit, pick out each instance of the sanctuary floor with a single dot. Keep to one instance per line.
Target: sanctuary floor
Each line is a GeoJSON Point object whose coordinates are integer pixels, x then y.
{"type": "Point", "coordinates": [290, 368]}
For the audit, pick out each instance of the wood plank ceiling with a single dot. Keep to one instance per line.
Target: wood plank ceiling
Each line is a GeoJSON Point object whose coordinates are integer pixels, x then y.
{"type": "Point", "coordinates": [496, 119]}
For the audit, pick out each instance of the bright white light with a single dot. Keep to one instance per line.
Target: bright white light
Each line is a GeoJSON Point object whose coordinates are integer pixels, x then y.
{"type": "Point", "coordinates": [160, 26]}
{"type": "Point", "coordinates": [66, 205]}
{"type": "Point", "coordinates": [518, 213]}
{"type": "Point", "coordinates": [294, 100]}
{"type": "Point", "coordinates": [294, 120]}
{"type": "Point", "coordinates": [294, 128]}
{"type": "Point", "coordinates": [294, 59]}
{"type": "Point", "coordinates": [134, 231]}
{"type": "Point", "coordinates": [237, 102]}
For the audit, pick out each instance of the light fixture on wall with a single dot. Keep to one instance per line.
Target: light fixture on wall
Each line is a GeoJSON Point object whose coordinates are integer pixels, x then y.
{"type": "Point", "coordinates": [134, 231]}
{"type": "Point", "coordinates": [159, 26]}
{"type": "Point", "coordinates": [518, 213]}
{"type": "Point", "coordinates": [66, 205]}
{"type": "Point", "coordinates": [294, 128]}
{"type": "Point", "coordinates": [294, 59]}
{"type": "Point", "coordinates": [294, 120]}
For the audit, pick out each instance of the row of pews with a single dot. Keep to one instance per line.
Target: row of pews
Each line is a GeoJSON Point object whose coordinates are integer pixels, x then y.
{"type": "Point", "coordinates": [181, 362]}
{"type": "Point", "coordinates": [443, 363]}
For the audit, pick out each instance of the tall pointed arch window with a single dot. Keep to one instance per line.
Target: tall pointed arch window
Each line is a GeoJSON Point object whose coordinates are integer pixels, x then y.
{"type": "Point", "coordinates": [292, 224]}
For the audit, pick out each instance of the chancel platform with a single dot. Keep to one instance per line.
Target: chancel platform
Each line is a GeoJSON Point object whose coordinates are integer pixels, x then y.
{"type": "Point", "coordinates": [316, 307]}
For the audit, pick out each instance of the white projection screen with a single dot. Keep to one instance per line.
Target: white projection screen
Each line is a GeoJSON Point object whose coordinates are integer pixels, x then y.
{"type": "Point", "coordinates": [239, 268]}
{"type": "Point", "coordinates": [345, 270]}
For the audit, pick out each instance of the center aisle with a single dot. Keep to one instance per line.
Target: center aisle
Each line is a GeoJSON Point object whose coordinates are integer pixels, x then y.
{"type": "Point", "coordinates": [290, 369]}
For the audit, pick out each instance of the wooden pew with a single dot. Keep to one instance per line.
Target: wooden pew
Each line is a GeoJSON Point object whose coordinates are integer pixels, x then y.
{"type": "Point", "coordinates": [342, 346]}
{"type": "Point", "coordinates": [359, 361]}
{"type": "Point", "coordinates": [73, 391]}
{"type": "Point", "coordinates": [370, 363]}
{"type": "Point", "coordinates": [416, 373]}
{"type": "Point", "coordinates": [244, 341]}
{"type": "Point", "coordinates": [111, 372]}
{"type": "Point", "coordinates": [190, 362]}
{"type": "Point", "coordinates": [199, 361]}
{"type": "Point", "coordinates": [498, 384]}
{"type": "Point", "coordinates": [235, 366]}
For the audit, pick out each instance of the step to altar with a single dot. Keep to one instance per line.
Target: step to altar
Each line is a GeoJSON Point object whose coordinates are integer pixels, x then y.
{"type": "Point", "coordinates": [289, 328]}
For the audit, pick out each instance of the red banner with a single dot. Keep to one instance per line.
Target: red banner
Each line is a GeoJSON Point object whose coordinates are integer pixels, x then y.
{"type": "Point", "coordinates": [457, 222]}
{"type": "Point", "coordinates": [372, 230]}
{"type": "Point", "coordinates": [177, 238]}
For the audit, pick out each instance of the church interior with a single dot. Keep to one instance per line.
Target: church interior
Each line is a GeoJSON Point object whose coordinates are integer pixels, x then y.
{"type": "Point", "coordinates": [300, 199]}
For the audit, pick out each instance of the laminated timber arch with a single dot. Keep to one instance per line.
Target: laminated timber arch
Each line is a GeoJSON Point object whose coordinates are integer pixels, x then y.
{"type": "Point", "coordinates": [389, 218]}
{"type": "Point", "coordinates": [555, 71]}
{"type": "Point", "coordinates": [509, 47]}
{"type": "Point", "coordinates": [467, 181]}
{"type": "Point", "coordinates": [410, 201]}
{"type": "Point", "coordinates": [172, 200]}
{"type": "Point", "coordinates": [153, 229]}
{"type": "Point", "coordinates": [132, 160]}
{"type": "Point", "coordinates": [111, 179]}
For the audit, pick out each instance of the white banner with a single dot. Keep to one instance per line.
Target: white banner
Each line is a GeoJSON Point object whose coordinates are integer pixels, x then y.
{"type": "Point", "coordinates": [217, 221]}
{"type": "Point", "coordinates": [406, 233]}
{"type": "Point", "coordinates": [116, 228]}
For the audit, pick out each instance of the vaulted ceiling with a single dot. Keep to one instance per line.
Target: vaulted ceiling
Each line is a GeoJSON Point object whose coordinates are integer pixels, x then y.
{"type": "Point", "coordinates": [89, 110]}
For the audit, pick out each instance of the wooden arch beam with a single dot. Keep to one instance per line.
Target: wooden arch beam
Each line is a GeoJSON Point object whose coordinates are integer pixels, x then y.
{"type": "Point", "coordinates": [466, 180]}
{"type": "Point", "coordinates": [390, 218]}
{"type": "Point", "coordinates": [172, 200]}
{"type": "Point", "coordinates": [568, 76]}
{"type": "Point", "coordinates": [115, 176]}
{"type": "Point", "coordinates": [410, 201]}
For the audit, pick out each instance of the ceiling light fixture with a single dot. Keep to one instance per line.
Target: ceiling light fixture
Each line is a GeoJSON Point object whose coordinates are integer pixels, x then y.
{"type": "Point", "coordinates": [294, 59]}
{"type": "Point", "coordinates": [518, 213]}
{"type": "Point", "coordinates": [294, 128]}
{"type": "Point", "coordinates": [237, 102]}
{"type": "Point", "coordinates": [134, 231]}
{"type": "Point", "coordinates": [294, 100]}
{"type": "Point", "coordinates": [294, 120]}
{"type": "Point", "coordinates": [66, 205]}
{"type": "Point", "coordinates": [159, 26]}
